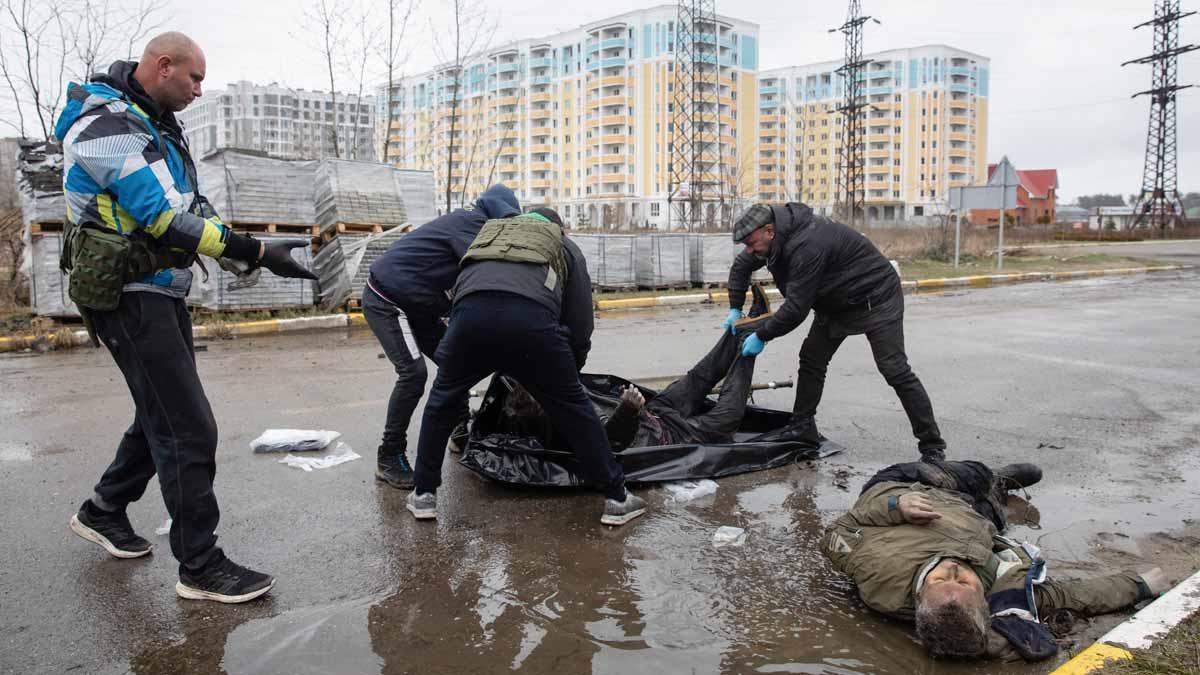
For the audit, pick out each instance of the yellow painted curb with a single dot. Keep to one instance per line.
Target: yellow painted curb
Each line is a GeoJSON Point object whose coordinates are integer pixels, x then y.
{"type": "Point", "coordinates": [1092, 658]}
{"type": "Point", "coordinates": [357, 319]}
{"type": "Point", "coordinates": [626, 303]}
{"type": "Point", "coordinates": [255, 327]}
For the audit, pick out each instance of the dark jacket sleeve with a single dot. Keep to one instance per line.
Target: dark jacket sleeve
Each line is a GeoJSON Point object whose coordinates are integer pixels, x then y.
{"type": "Point", "coordinates": [577, 306]}
{"type": "Point", "coordinates": [806, 269]}
{"type": "Point", "coordinates": [622, 426]}
{"type": "Point", "coordinates": [744, 266]}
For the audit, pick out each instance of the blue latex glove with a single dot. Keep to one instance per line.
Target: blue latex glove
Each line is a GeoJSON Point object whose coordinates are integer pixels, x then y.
{"type": "Point", "coordinates": [753, 346]}
{"type": "Point", "coordinates": [734, 315]}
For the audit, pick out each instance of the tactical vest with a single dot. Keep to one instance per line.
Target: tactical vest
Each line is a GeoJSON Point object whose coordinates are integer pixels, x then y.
{"type": "Point", "coordinates": [522, 239]}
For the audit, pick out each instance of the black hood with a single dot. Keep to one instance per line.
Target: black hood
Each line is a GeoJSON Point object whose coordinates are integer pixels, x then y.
{"type": "Point", "coordinates": [120, 77]}
{"type": "Point", "coordinates": [790, 219]}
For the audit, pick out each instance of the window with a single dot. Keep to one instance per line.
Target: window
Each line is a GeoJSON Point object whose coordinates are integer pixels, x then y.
{"type": "Point", "coordinates": [654, 209]}
{"type": "Point", "coordinates": [919, 210]}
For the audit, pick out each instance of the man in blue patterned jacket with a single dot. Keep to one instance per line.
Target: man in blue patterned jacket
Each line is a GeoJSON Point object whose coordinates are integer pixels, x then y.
{"type": "Point", "coordinates": [136, 223]}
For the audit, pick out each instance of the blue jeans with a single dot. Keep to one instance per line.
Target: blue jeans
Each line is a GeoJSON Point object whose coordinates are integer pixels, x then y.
{"type": "Point", "coordinates": [494, 332]}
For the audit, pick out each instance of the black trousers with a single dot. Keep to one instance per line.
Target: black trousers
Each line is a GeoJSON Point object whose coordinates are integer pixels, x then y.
{"type": "Point", "coordinates": [687, 395]}
{"type": "Point", "coordinates": [494, 332]}
{"type": "Point", "coordinates": [886, 336]}
{"type": "Point", "coordinates": [407, 337]}
{"type": "Point", "coordinates": [174, 434]}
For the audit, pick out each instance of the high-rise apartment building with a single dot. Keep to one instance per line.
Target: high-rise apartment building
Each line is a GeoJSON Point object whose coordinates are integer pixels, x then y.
{"type": "Point", "coordinates": [581, 120]}
{"type": "Point", "coordinates": [281, 122]}
{"type": "Point", "coordinates": [924, 132]}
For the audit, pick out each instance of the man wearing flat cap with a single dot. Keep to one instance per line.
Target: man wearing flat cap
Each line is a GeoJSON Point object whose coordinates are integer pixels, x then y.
{"type": "Point", "coordinates": [836, 272]}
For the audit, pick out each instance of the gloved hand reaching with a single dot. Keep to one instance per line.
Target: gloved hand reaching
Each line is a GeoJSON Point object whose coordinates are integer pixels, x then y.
{"type": "Point", "coordinates": [277, 257]}
{"type": "Point", "coordinates": [753, 346]}
{"type": "Point", "coordinates": [734, 315]}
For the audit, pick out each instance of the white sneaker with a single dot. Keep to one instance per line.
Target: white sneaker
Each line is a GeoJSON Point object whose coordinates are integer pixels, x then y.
{"type": "Point", "coordinates": [422, 505]}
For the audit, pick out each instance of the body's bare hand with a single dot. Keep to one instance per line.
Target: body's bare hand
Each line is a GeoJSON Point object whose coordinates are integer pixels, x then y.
{"type": "Point", "coordinates": [917, 509]}
{"type": "Point", "coordinates": [632, 396]}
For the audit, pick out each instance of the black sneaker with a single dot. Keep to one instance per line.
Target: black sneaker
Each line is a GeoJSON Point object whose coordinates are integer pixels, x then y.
{"type": "Point", "coordinates": [110, 530]}
{"type": "Point", "coordinates": [393, 468]}
{"type": "Point", "coordinates": [223, 580]}
{"type": "Point", "coordinates": [459, 437]}
{"type": "Point", "coordinates": [619, 513]}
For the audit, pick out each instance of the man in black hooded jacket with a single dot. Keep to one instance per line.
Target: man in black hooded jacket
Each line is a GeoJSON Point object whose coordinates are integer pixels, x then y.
{"type": "Point", "coordinates": [836, 272]}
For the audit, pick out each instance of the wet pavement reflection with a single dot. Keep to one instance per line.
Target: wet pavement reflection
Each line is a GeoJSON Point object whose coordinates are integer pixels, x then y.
{"type": "Point", "coordinates": [511, 579]}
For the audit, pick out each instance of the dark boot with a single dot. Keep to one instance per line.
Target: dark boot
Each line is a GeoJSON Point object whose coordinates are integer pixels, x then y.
{"type": "Point", "coordinates": [392, 467]}
{"type": "Point", "coordinates": [933, 455]}
{"type": "Point", "coordinates": [798, 429]}
{"type": "Point", "coordinates": [760, 305]}
{"type": "Point", "coordinates": [1017, 476]}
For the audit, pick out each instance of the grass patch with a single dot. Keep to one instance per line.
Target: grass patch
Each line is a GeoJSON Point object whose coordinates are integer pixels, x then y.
{"type": "Point", "coordinates": [1177, 653]}
{"type": "Point", "coordinates": [1015, 261]}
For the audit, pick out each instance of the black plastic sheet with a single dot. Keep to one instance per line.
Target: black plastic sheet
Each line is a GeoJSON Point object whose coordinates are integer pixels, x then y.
{"type": "Point", "coordinates": [501, 449]}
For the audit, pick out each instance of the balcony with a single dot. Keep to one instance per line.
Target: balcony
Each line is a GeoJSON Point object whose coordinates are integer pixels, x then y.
{"type": "Point", "coordinates": [959, 70]}
{"type": "Point", "coordinates": [612, 43]}
{"type": "Point", "coordinates": [541, 79]}
{"type": "Point", "coordinates": [771, 118]}
{"type": "Point", "coordinates": [613, 81]}
{"type": "Point", "coordinates": [540, 149]}
{"type": "Point", "coordinates": [506, 101]}
{"type": "Point", "coordinates": [541, 113]}
{"type": "Point", "coordinates": [612, 100]}
{"type": "Point", "coordinates": [543, 183]}
{"type": "Point", "coordinates": [541, 128]}
{"type": "Point", "coordinates": [959, 119]}
{"type": "Point", "coordinates": [959, 136]}
{"type": "Point", "coordinates": [540, 166]}
{"type": "Point", "coordinates": [770, 147]}
{"type": "Point", "coordinates": [540, 97]}
{"type": "Point", "coordinates": [885, 153]}
{"type": "Point", "coordinates": [508, 168]}
{"type": "Point", "coordinates": [508, 67]}
{"type": "Point", "coordinates": [540, 63]}
{"type": "Point", "coordinates": [960, 88]}
{"type": "Point", "coordinates": [614, 139]}
{"type": "Point", "coordinates": [614, 158]}
{"type": "Point", "coordinates": [612, 62]}
{"type": "Point", "coordinates": [610, 120]}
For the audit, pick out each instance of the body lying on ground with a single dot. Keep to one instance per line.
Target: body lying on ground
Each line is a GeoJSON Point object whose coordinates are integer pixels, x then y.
{"type": "Point", "coordinates": [923, 543]}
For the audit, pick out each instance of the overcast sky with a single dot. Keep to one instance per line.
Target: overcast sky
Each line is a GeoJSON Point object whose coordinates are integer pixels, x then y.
{"type": "Point", "coordinates": [1059, 98]}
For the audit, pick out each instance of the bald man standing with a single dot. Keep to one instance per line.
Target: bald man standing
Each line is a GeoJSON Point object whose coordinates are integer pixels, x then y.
{"type": "Point", "coordinates": [136, 222]}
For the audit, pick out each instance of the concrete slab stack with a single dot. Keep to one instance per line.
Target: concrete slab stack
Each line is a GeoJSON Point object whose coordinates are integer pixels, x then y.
{"type": "Point", "coordinates": [663, 260]}
{"type": "Point", "coordinates": [247, 188]}
{"type": "Point", "coordinates": [361, 193]}
{"type": "Point", "coordinates": [610, 259]}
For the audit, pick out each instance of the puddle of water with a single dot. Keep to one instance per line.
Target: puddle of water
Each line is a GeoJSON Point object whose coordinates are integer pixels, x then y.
{"type": "Point", "coordinates": [327, 639]}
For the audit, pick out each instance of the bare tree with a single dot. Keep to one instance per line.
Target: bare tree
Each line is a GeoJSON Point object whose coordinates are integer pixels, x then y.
{"type": "Point", "coordinates": [326, 19]}
{"type": "Point", "coordinates": [471, 28]}
{"type": "Point", "coordinates": [39, 37]}
{"type": "Point", "coordinates": [398, 12]}
{"type": "Point", "coordinates": [359, 55]}
{"type": "Point", "coordinates": [103, 31]}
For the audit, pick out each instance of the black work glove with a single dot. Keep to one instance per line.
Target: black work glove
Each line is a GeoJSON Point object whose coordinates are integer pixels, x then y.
{"type": "Point", "coordinates": [277, 257]}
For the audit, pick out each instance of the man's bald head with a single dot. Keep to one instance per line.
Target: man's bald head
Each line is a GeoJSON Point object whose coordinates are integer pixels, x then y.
{"type": "Point", "coordinates": [173, 44]}
{"type": "Point", "coordinates": [171, 70]}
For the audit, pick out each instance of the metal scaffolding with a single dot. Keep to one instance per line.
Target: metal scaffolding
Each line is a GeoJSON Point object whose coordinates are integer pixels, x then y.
{"type": "Point", "coordinates": [696, 169]}
{"type": "Point", "coordinates": [1158, 204]}
{"type": "Point", "coordinates": [851, 195]}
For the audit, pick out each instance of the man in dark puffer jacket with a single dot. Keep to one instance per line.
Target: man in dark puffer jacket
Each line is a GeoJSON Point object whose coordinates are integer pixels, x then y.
{"type": "Point", "coordinates": [827, 267]}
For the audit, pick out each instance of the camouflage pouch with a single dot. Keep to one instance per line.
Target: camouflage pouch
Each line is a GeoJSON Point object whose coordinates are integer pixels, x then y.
{"type": "Point", "coordinates": [100, 265]}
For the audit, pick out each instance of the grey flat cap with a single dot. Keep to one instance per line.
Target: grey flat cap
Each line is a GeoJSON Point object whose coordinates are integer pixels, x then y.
{"type": "Point", "coordinates": [751, 219]}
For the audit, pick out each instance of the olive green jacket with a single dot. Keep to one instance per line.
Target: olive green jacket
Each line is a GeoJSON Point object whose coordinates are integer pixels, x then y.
{"type": "Point", "coordinates": [884, 555]}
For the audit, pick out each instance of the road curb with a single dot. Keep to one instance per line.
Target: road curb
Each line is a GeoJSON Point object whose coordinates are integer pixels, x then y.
{"type": "Point", "coordinates": [981, 281]}
{"type": "Point", "coordinates": [274, 326]}
{"type": "Point", "coordinates": [1140, 630]}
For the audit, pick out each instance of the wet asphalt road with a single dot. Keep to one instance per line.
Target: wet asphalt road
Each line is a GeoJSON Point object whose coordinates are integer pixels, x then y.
{"type": "Point", "coordinates": [1103, 374]}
